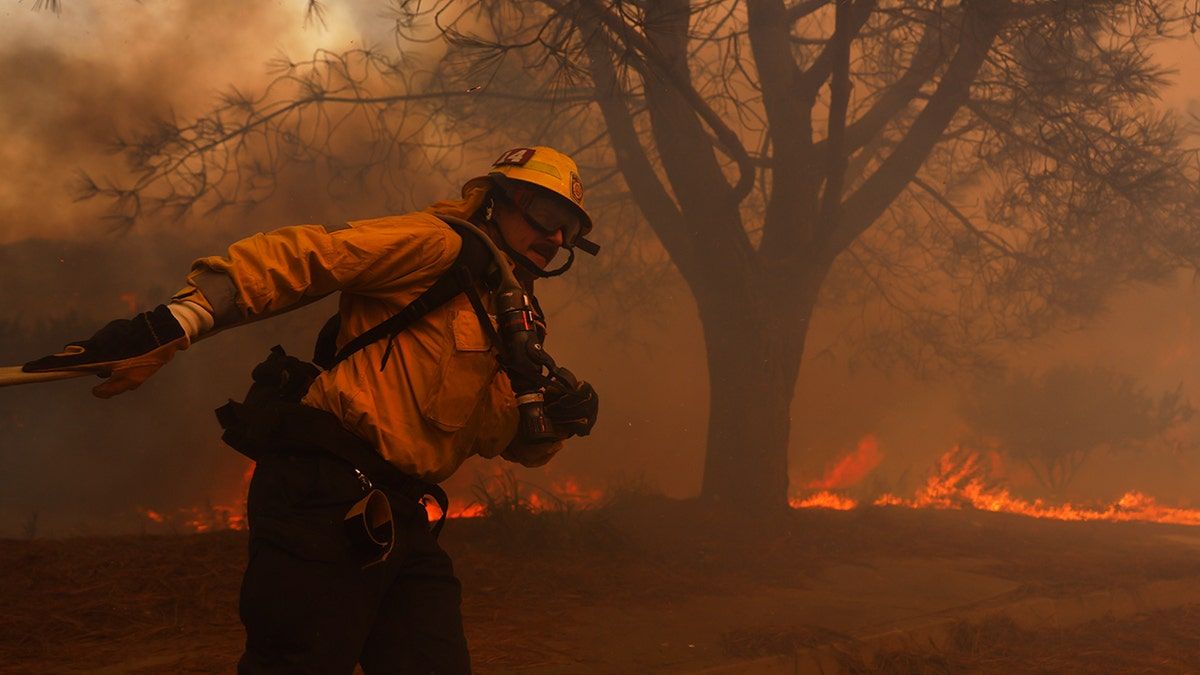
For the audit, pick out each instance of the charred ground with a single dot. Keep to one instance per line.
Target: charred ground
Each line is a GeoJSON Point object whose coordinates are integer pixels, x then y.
{"type": "Point", "coordinates": [537, 584]}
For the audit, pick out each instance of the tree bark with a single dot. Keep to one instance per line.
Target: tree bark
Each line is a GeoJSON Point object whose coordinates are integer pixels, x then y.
{"type": "Point", "coordinates": [754, 336]}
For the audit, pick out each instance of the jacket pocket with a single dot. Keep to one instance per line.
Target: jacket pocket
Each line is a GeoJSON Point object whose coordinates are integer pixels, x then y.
{"type": "Point", "coordinates": [463, 375]}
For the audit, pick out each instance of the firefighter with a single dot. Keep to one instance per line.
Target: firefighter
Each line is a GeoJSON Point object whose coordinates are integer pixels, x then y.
{"type": "Point", "coordinates": [422, 400]}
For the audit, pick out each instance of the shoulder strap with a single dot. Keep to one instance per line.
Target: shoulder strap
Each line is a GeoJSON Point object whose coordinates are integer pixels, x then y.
{"type": "Point", "coordinates": [474, 258]}
{"type": "Point", "coordinates": [325, 348]}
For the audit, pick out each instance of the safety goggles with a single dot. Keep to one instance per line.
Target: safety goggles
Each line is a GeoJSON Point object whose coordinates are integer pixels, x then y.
{"type": "Point", "coordinates": [547, 213]}
{"type": "Point", "coordinates": [550, 214]}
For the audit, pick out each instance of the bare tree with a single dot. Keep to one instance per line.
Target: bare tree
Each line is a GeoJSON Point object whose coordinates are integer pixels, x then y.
{"type": "Point", "coordinates": [954, 174]}
{"type": "Point", "coordinates": [1054, 422]}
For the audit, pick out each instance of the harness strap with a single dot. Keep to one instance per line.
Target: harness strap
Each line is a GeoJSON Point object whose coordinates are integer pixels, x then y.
{"type": "Point", "coordinates": [474, 257]}
{"type": "Point", "coordinates": [465, 280]}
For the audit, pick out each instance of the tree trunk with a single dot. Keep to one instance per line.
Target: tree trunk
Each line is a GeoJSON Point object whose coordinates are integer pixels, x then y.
{"type": "Point", "coordinates": [755, 339]}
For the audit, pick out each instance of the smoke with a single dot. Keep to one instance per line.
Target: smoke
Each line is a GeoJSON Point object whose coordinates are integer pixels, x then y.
{"type": "Point", "coordinates": [73, 82]}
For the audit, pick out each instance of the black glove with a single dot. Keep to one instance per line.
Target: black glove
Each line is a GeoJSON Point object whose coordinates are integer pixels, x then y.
{"type": "Point", "coordinates": [126, 351]}
{"type": "Point", "coordinates": [571, 404]}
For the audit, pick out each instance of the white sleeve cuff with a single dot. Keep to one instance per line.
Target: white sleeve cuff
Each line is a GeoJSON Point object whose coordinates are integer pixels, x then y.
{"type": "Point", "coordinates": [195, 319]}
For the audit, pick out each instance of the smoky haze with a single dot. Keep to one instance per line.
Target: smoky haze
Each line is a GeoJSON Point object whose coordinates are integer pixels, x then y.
{"type": "Point", "coordinates": [83, 465]}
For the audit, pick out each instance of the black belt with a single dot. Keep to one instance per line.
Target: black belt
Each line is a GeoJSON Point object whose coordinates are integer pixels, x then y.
{"type": "Point", "coordinates": [283, 426]}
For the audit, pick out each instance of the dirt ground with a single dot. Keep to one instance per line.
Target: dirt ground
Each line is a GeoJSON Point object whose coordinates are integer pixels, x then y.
{"type": "Point", "coordinates": [651, 585]}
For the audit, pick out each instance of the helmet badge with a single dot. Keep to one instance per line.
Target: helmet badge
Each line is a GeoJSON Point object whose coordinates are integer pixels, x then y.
{"type": "Point", "coordinates": [576, 188]}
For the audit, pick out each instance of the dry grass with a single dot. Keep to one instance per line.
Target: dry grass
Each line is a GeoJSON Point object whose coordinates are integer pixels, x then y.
{"type": "Point", "coordinates": [1160, 642]}
{"type": "Point", "coordinates": [91, 595]}
{"type": "Point", "coordinates": [751, 643]}
{"type": "Point", "coordinates": [92, 601]}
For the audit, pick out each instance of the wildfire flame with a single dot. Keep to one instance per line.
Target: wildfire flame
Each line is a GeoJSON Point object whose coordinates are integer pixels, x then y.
{"type": "Point", "coordinates": [206, 518]}
{"type": "Point", "coordinates": [824, 500]}
{"type": "Point", "coordinates": [852, 468]}
{"type": "Point", "coordinates": [566, 492]}
{"type": "Point", "coordinates": [960, 480]}
{"type": "Point", "coordinates": [472, 510]}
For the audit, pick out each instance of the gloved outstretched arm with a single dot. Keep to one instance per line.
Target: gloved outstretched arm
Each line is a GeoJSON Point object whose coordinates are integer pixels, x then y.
{"type": "Point", "coordinates": [126, 352]}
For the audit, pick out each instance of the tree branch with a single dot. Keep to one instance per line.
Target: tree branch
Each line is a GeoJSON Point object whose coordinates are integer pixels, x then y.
{"type": "Point", "coordinates": [793, 206]}
{"type": "Point", "coordinates": [788, 116]}
{"type": "Point", "coordinates": [980, 27]}
{"type": "Point", "coordinates": [835, 172]}
{"type": "Point", "coordinates": [895, 98]}
{"type": "Point", "coordinates": [797, 12]}
{"type": "Point", "coordinates": [987, 237]}
{"type": "Point", "coordinates": [809, 82]}
{"type": "Point", "coordinates": [647, 191]}
{"type": "Point", "coordinates": [726, 138]}
{"type": "Point", "coordinates": [795, 174]}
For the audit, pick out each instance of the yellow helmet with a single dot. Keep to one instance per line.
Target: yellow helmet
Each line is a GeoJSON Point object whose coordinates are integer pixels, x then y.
{"type": "Point", "coordinates": [546, 168]}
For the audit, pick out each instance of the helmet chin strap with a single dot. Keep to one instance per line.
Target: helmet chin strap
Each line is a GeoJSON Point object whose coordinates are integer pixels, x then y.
{"type": "Point", "coordinates": [541, 273]}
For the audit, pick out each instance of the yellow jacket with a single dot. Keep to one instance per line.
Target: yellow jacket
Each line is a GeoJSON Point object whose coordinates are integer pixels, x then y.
{"type": "Point", "coordinates": [441, 397]}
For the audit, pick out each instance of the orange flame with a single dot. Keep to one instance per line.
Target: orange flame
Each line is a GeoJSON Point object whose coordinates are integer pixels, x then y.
{"type": "Point", "coordinates": [852, 468]}
{"type": "Point", "coordinates": [472, 510]}
{"type": "Point", "coordinates": [823, 500]}
{"type": "Point", "coordinates": [206, 518]}
{"type": "Point", "coordinates": [571, 491]}
{"type": "Point", "coordinates": [563, 493]}
{"type": "Point", "coordinates": [962, 480]}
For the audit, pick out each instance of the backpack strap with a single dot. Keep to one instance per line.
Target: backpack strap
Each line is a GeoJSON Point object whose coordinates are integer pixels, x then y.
{"type": "Point", "coordinates": [325, 348]}
{"type": "Point", "coordinates": [472, 262]}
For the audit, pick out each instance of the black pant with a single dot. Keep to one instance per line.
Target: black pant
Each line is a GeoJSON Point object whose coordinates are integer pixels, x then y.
{"type": "Point", "coordinates": [308, 604]}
